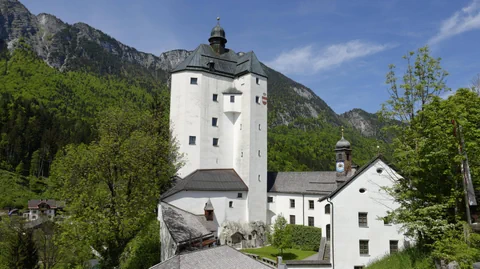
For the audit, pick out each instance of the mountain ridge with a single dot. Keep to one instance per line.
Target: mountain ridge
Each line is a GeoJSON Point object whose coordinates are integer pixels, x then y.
{"type": "Point", "coordinates": [79, 46]}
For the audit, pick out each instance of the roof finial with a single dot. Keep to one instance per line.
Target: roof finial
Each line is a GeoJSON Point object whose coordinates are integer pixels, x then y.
{"type": "Point", "coordinates": [342, 131]}
{"type": "Point", "coordinates": [218, 20]}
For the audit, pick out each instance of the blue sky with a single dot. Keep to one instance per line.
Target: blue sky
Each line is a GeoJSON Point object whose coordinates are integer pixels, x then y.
{"type": "Point", "coordinates": [339, 49]}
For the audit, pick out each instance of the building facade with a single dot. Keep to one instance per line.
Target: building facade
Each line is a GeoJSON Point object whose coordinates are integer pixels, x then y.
{"type": "Point", "coordinates": [224, 195]}
{"type": "Point", "coordinates": [218, 113]}
{"type": "Point", "coordinates": [43, 209]}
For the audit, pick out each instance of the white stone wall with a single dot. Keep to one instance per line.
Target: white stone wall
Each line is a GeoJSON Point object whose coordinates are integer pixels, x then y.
{"type": "Point", "coordinates": [191, 111]}
{"type": "Point", "coordinates": [194, 202]}
{"type": "Point", "coordinates": [281, 205]}
{"type": "Point", "coordinates": [375, 202]}
{"type": "Point", "coordinates": [241, 130]}
{"type": "Point", "coordinates": [36, 213]}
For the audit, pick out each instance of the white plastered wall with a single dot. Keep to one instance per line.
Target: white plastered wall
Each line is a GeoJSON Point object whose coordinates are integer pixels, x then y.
{"type": "Point", "coordinates": [375, 202]}
{"type": "Point", "coordinates": [194, 202]}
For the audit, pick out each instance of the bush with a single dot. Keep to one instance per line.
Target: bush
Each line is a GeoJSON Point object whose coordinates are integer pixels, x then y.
{"type": "Point", "coordinates": [306, 237]}
{"type": "Point", "coordinates": [453, 247]}
{"type": "Point", "coordinates": [410, 258]}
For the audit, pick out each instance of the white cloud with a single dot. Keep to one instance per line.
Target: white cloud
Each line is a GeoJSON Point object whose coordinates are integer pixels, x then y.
{"type": "Point", "coordinates": [466, 19]}
{"type": "Point", "coordinates": [310, 60]}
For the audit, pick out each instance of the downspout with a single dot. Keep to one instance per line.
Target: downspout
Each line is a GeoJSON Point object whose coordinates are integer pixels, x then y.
{"type": "Point", "coordinates": [329, 200]}
{"type": "Point", "coordinates": [303, 209]}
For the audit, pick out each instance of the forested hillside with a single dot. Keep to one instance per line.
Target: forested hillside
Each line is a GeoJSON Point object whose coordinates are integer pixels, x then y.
{"type": "Point", "coordinates": [43, 109]}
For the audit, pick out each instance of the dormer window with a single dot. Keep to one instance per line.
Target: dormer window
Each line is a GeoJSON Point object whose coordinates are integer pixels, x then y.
{"type": "Point", "coordinates": [208, 210]}
{"type": "Point", "coordinates": [211, 65]}
{"type": "Point", "coordinates": [232, 98]}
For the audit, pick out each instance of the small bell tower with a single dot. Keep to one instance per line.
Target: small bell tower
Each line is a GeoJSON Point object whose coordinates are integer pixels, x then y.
{"type": "Point", "coordinates": [217, 38]}
{"type": "Point", "coordinates": [343, 152]}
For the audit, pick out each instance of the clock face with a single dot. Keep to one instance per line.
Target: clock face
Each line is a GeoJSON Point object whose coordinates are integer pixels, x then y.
{"type": "Point", "coordinates": [340, 167]}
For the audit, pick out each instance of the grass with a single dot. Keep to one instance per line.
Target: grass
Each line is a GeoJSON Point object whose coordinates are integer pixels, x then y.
{"type": "Point", "coordinates": [410, 258]}
{"type": "Point", "coordinates": [272, 253]}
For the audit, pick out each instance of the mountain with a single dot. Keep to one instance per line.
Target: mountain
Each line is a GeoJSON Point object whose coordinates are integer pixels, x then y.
{"type": "Point", "coordinates": [366, 123]}
{"type": "Point", "coordinates": [81, 47]}
{"type": "Point", "coordinates": [66, 75]}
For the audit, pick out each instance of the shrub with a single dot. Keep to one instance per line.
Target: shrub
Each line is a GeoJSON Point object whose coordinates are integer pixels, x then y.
{"type": "Point", "coordinates": [410, 258]}
{"type": "Point", "coordinates": [306, 237]}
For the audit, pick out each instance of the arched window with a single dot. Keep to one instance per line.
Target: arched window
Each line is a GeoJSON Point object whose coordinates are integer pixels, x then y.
{"type": "Point", "coordinates": [327, 209]}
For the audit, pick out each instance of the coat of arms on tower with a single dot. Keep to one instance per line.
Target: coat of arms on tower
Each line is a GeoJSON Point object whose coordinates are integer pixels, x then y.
{"type": "Point", "coordinates": [264, 99]}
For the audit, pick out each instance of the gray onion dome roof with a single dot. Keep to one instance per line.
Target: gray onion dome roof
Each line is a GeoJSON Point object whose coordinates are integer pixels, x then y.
{"type": "Point", "coordinates": [342, 143]}
{"type": "Point", "coordinates": [218, 32]}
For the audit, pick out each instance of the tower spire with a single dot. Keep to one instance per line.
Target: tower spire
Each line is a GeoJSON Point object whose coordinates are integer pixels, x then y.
{"type": "Point", "coordinates": [217, 38]}
{"type": "Point", "coordinates": [342, 131]}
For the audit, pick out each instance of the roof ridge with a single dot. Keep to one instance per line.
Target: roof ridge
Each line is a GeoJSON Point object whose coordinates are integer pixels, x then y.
{"type": "Point", "coordinates": [178, 208]}
{"type": "Point", "coordinates": [357, 174]}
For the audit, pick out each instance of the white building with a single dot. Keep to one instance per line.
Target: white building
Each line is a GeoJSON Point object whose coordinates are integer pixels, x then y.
{"type": "Point", "coordinates": [43, 208]}
{"type": "Point", "coordinates": [218, 114]}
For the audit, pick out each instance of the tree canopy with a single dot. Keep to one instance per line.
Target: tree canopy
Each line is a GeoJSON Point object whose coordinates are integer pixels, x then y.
{"type": "Point", "coordinates": [112, 185]}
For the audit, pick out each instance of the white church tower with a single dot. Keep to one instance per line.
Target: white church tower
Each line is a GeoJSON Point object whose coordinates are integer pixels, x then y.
{"type": "Point", "coordinates": [218, 114]}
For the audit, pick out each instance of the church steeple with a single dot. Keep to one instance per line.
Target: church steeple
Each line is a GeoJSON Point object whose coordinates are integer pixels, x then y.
{"type": "Point", "coordinates": [217, 38]}
{"type": "Point", "coordinates": [343, 152]}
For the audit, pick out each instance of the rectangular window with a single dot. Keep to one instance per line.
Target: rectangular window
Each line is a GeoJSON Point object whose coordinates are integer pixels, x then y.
{"type": "Point", "coordinates": [232, 98]}
{"type": "Point", "coordinates": [269, 199]}
{"type": "Point", "coordinates": [311, 204]}
{"type": "Point", "coordinates": [358, 267]}
{"type": "Point", "coordinates": [311, 221]}
{"type": "Point", "coordinates": [193, 81]}
{"type": "Point", "coordinates": [214, 122]}
{"type": "Point", "coordinates": [192, 140]}
{"type": "Point", "coordinates": [257, 99]}
{"type": "Point", "coordinates": [215, 97]}
{"type": "Point", "coordinates": [362, 219]}
{"type": "Point", "coordinates": [215, 142]}
{"type": "Point", "coordinates": [230, 204]}
{"type": "Point", "coordinates": [292, 219]}
{"type": "Point", "coordinates": [257, 80]}
{"type": "Point", "coordinates": [239, 195]}
{"type": "Point", "coordinates": [292, 203]}
{"type": "Point", "coordinates": [363, 247]}
{"type": "Point", "coordinates": [393, 246]}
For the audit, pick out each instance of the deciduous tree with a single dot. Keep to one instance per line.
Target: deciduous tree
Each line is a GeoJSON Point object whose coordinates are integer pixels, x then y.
{"type": "Point", "coordinates": [112, 185]}
{"type": "Point", "coordinates": [281, 236]}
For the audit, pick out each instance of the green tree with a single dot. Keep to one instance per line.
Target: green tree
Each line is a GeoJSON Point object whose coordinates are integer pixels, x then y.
{"type": "Point", "coordinates": [18, 249]}
{"type": "Point", "coordinates": [422, 80]}
{"type": "Point", "coordinates": [46, 241]}
{"type": "Point", "coordinates": [431, 194]}
{"type": "Point", "coordinates": [281, 236]}
{"type": "Point", "coordinates": [426, 150]}
{"type": "Point", "coordinates": [144, 250]}
{"type": "Point", "coordinates": [112, 185]}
